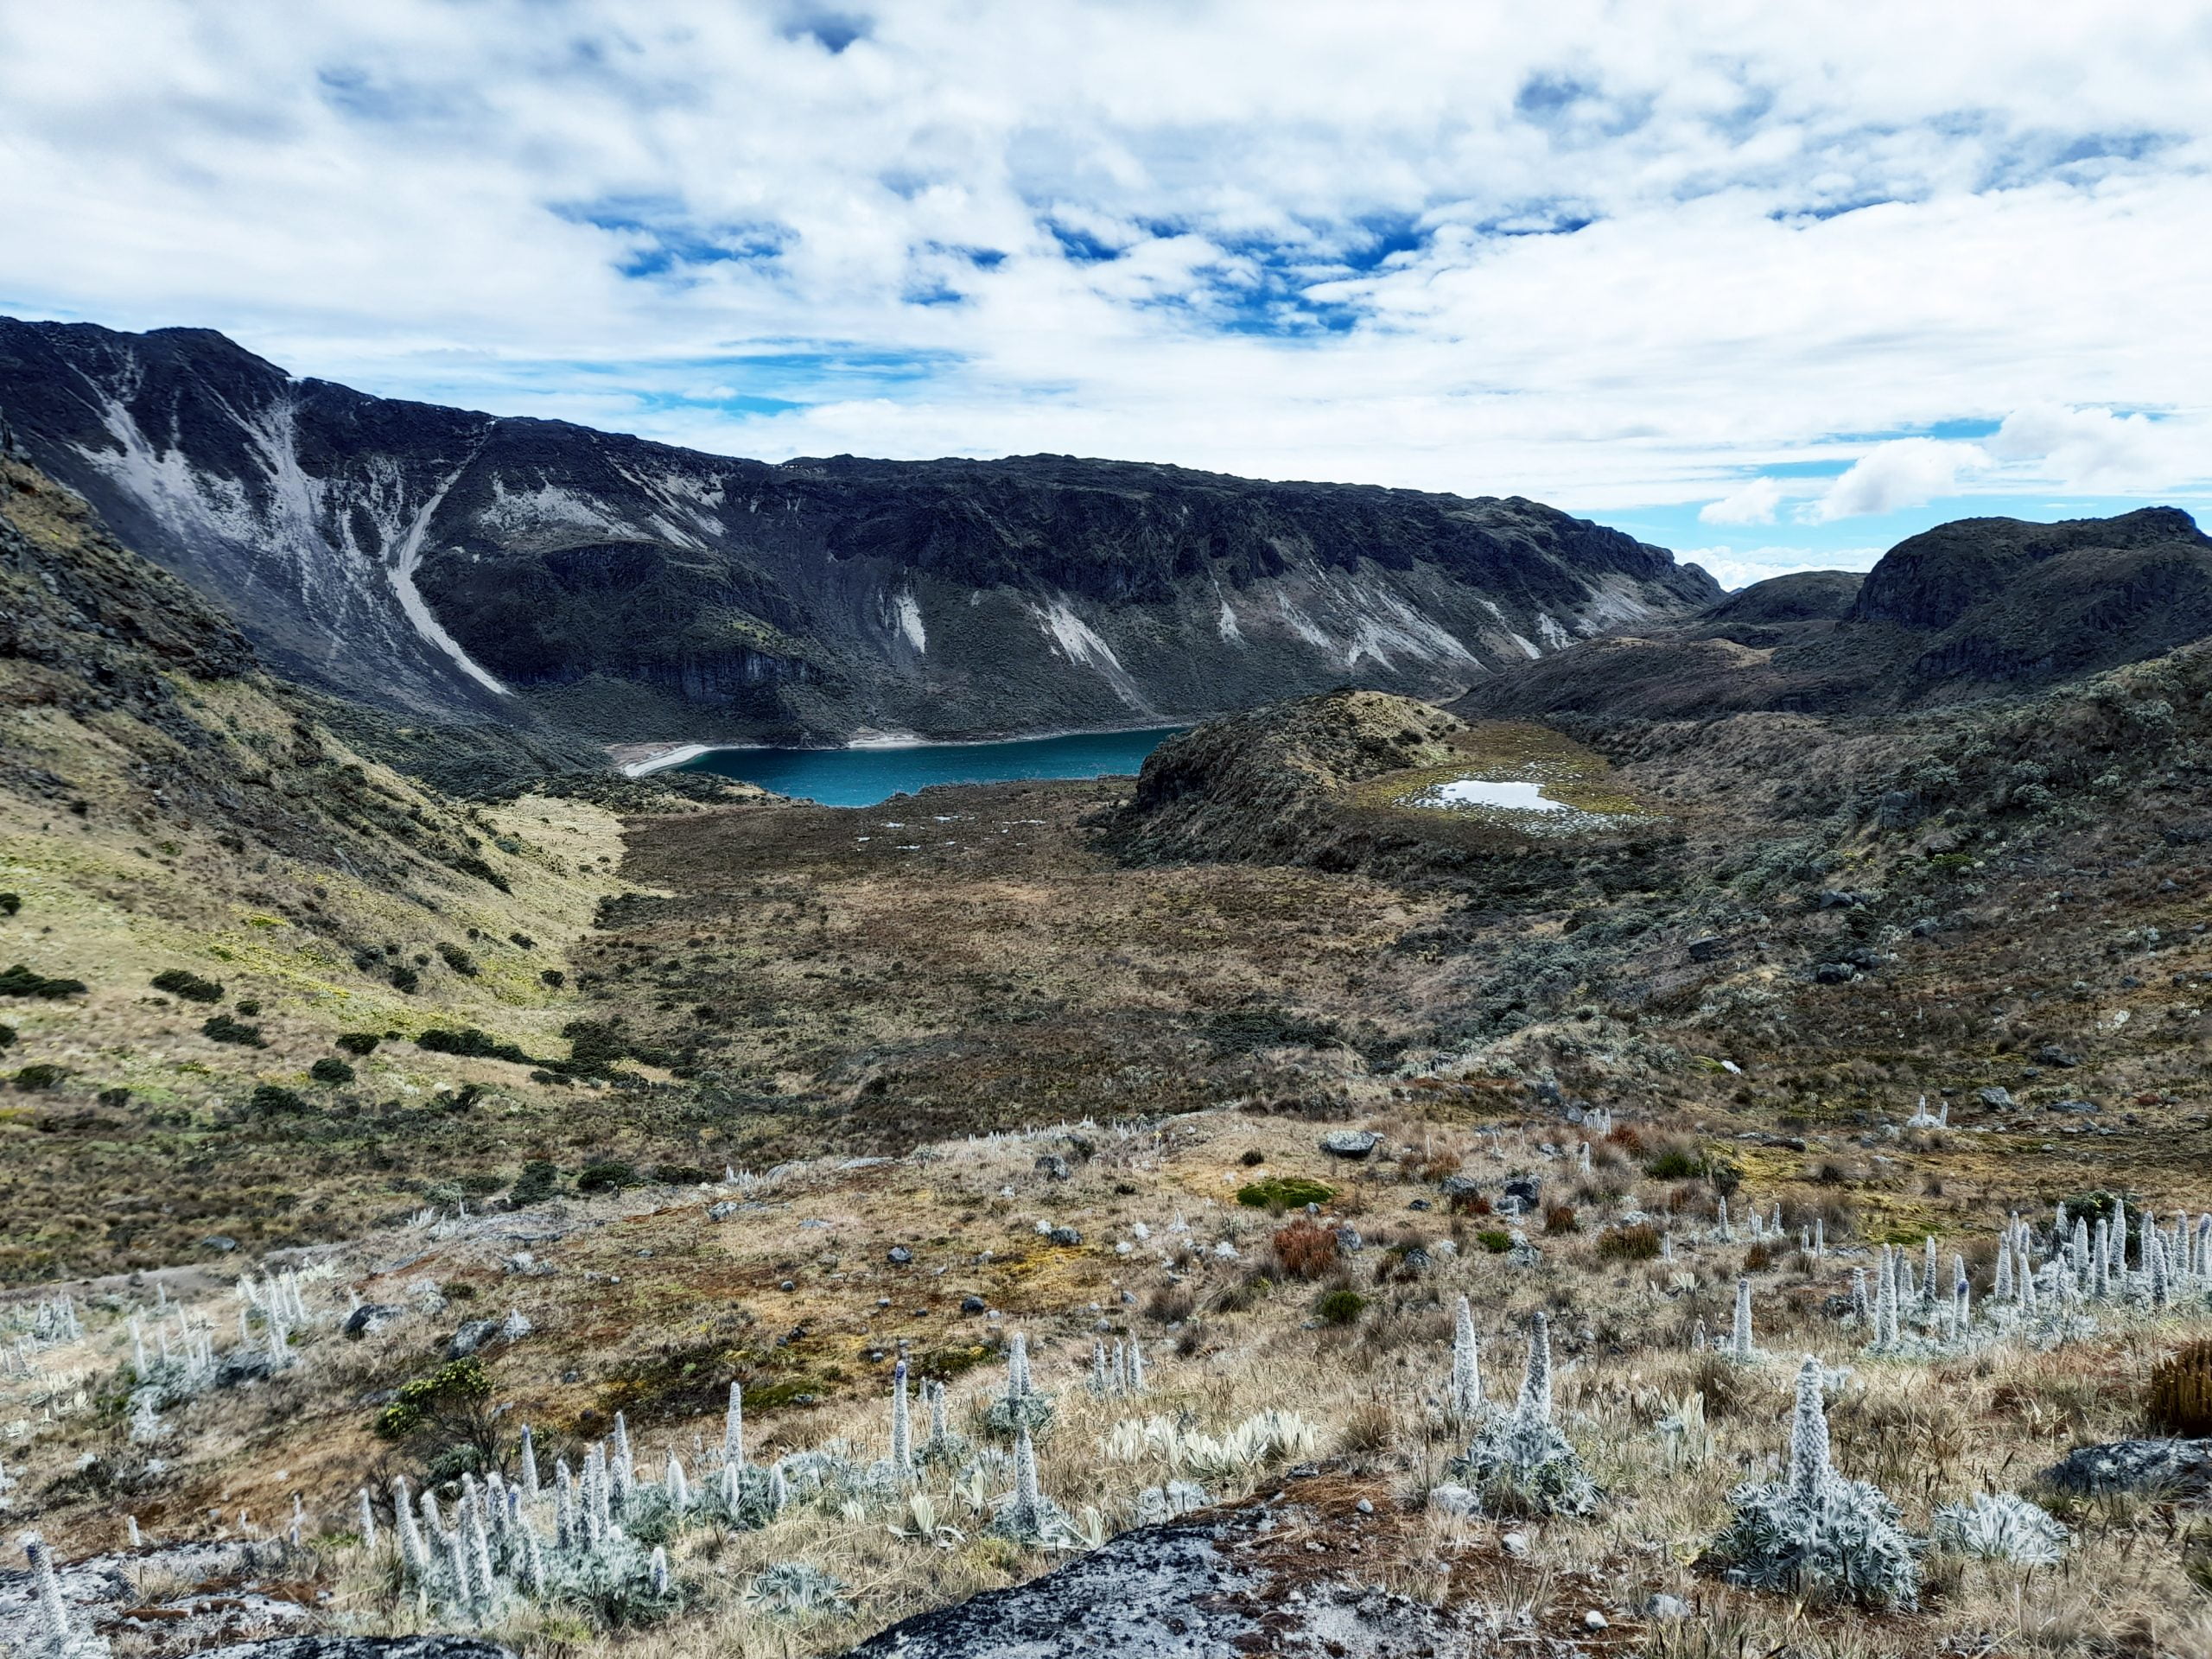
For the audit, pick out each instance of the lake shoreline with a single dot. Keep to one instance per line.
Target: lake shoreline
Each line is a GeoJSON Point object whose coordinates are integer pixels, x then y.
{"type": "Point", "coordinates": [642, 760]}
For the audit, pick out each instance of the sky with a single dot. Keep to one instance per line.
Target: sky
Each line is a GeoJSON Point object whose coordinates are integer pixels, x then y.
{"type": "Point", "coordinates": [1771, 285]}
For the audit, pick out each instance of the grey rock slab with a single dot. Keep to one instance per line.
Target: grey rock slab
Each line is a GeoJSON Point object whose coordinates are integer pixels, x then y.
{"type": "Point", "coordinates": [1349, 1143]}
{"type": "Point", "coordinates": [1208, 1586]}
{"type": "Point", "coordinates": [2175, 1466]}
{"type": "Point", "coordinates": [435, 1645]}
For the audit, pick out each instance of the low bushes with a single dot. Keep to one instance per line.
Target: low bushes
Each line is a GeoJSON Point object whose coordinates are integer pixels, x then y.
{"type": "Point", "coordinates": [472, 1045]}
{"type": "Point", "coordinates": [1305, 1249]}
{"type": "Point", "coordinates": [1636, 1244]}
{"type": "Point", "coordinates": [178, 982]}
{"type": "Point", "coordinates": [224, 1029]}
{"type": "Point", "coordinates": [21, 980]}
{"type": "Point", "coordinates": [1281, 1192]}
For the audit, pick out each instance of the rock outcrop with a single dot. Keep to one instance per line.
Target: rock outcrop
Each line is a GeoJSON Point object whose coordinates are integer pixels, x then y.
{"type": "Point", "coordinates": [1269, 1577]}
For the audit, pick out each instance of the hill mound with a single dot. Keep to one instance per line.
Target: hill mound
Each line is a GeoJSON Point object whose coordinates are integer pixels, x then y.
{"type": "Point", "coordinates": [1975, 608]}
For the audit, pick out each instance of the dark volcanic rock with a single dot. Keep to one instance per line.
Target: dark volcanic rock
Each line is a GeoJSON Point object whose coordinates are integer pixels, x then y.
{"type": "Point", "coordinates": [1212, 1585]}
{"type": "Point", "coordinates": [656, 592]}
{"type": "Point", "coordinates": [2180, 1467]}
{"type": "Point", "coordinates": [436, 1645]}
{"type": "Point", "coordinates": [1970, 608]}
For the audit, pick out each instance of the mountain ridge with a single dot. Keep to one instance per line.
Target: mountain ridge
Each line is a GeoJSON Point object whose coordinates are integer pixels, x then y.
{"type": "Point", "coordinates": [448, 562]}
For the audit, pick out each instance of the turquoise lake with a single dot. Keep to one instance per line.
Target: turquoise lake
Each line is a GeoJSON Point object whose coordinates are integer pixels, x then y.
{"type": "Point", "coordinates": [866, 776]}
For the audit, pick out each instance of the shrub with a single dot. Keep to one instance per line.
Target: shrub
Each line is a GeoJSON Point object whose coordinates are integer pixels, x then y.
{"type": "Point", "coordinates": [1305, 1249]}
{"type": "Point", "coordinates": [20, 980]}
{"type": "Point", "coordinates": [535, 1183]}
{"type": "Point", "coordinates": [1675, 1162]}
{"type": "Point", "coordinates": [115, 1096]}
{"type": "Point", "coordinates": [359, 1044]}
{"type": "Point", "coordinates": [1253, 1157]}
{"type": "Point", "coordinates": [10, 903]}
{"type": "Point", "coordinates": [33, 1078]}
{"type": "Point", "coordinates": [1284, 1193]}
{"type": "Point", "coordinates": [472, 1043]}
{"type": "Point", "coordinates": [1341, 1306]}
{"type": "Point", "coordinates": [523, 940]}
{"type": "Point", "coordinates": [178, 982]}
{"type": "Point", "coordinates": [405, 978]}
{"type": "Point", "coordinates": [224, 1029]}
{"type": "Point", "coordinates": [553, 977]}
{"type": "Point", "coordinates": [1636, 1244]}
{"type": "Point", "coordinates": [451, 1402]}
{"type": "Point", "coordinates": [1560, 1218]}
{"type": "Point", "coordinates": [1761, 1256]}
{"type": "Point", "coordinates": [2180, 1399]}
{"type": "Point", "coordinates": [682, 1174]}
{"type": "Point", "coordinates": [327, 1070]}
{"type": "Point", "coordinates": [606, 1175]}
{"type": "Point", "coordinates": [248, 1007]}
{"type": "Point", "coordinates": [1496, 1240]}
{"type": "Point", "coordinates": [7, 1036]}
{"type": "Point", "coordinates": [459, 960]}
{"type": "Point", "coordinates": [269, 1097]}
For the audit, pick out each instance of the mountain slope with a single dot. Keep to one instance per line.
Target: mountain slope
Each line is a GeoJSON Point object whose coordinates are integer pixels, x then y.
{"type": "Point", "coordinates": [439, 561]}
{"type": "Point", "coordinates": [1969, 609]}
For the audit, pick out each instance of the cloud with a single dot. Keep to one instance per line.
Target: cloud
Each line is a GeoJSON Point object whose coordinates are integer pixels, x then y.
{"type": "Point", "coordinates": [1753, 503]}
{"type": "Point", "coordinates": [1735, 568]}
{"type": "Point", "coordinates": [1904, 473]}
{"type": "Point", "coordinates": [1591, 256]}
{"type": "Point", "coordinates": [2092, 448]}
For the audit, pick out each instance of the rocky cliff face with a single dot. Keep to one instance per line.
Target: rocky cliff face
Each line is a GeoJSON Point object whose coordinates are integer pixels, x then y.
{"type": "Point", "coordinates": [442, 561]}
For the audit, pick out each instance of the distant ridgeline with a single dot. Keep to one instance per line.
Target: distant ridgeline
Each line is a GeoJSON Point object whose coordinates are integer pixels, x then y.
{"type": "Point", "coordinates": [1969, 609]}
{"type": "Point", "coordinates": [447, 565]}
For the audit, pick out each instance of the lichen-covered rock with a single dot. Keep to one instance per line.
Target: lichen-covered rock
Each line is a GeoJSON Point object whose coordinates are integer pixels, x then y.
{"type": "Point", "coordinates": [2175, 1466]}
{"type": "Point", "coordinates": [1209, 1586]}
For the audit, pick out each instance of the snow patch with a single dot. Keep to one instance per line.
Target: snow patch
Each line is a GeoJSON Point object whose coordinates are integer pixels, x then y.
{"type": "Point", "coordinates": [908, 612]}
{"type": "Point", "coordinates": [1529, 648]}
{"type": "Point", "coordinates": [1226, 622]}
{"type": "Point", "coordinates": [1552, 635]}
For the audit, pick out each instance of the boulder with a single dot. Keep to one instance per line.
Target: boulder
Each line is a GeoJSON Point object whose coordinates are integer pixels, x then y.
{"type": "Point", "coordinates": [2176, 1466]}
{"type": "Point", "coordinates": [472, 1335]}
{"type": "Point", "coordinates": [1053, 1167]}
{"type": "Point", "coordinates": [1521, 1195]}
{"type": "Point", "coordinates": [1708, 949]}
{"type": "Point", "coordinates": [1349, 1143]}
{"type": "Point", "coordinates": [1065, 1235]}
{"type": "Point", "coordinates": [1215, 1582]}
{"type": "Point", "coordinates": [436, 1645]}
{"type": "Point", "coordinates": [1835, 973]}
{"type": "Point", "coordinates": [1998, 1100]}
{"type": "Point", "coordinates": [369, 1318]}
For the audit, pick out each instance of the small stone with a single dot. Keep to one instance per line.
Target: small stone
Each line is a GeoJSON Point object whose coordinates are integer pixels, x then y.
{"type": "Point", "coordinates": [1454, 1500]}
{"type": "Point", "coordinates": [899, 1255]}
{"type": "Point", "coordinates": [722, 1211]}
{"type": "Point", "coordinates": [1515, 1543]}
{"type": "Point", "coordinates": [367, 1319]}
{"type": "Point", "coordinates": [1053, 1167]}
{"type": "Point", "coordinates": [788, 1285]}
{"type": "Point", "coordinates": [972, 1304]}
{"type": "Point", "coordinates": [1349, 1143]}
{"type": "Point", "coordinates": [219, 1243]}
{"type": "Point", "coordinates": [1366, 1506]}
{"type": "Point", "coordinates": [1664, 1606]}
{"type": "Point", "coordinates": [1417, 1203]}
{"type": "Point", "coordinates": [1066, 1236]}
{"type": "Point", "coordinates": [1594, 1620]}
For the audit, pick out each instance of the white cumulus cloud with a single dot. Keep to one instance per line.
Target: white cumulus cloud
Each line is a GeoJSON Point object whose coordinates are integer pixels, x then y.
{"type": "Point", "coordinates": [1903, 473]}
{"type": "Point", "coordinates": [1753, 504]}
